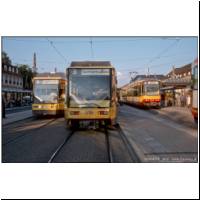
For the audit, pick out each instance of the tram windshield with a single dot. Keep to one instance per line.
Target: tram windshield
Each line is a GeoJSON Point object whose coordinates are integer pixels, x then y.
{"type": "Point", "coordinates": [151, 88]}
{"type": "Point", "coordinates": [46, 91]}
{"type": "Point", "coordinates": [89, 88]}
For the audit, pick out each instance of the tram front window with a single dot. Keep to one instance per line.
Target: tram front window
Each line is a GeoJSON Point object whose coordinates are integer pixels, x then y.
{"type": "Point", "coordinates": [89, 88]}
{"type": "Point", "coordinates": [151, 89]}
{"type": "Point", "coordinates": [46, 91]}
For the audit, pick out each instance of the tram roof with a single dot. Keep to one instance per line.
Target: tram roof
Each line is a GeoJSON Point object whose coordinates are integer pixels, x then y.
{"type": "Point", "coordinates": [90, 64]}
{"type": "Point", "coordinates": [47, 75]}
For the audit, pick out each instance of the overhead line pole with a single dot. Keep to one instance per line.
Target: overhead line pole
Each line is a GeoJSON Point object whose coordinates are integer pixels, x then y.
{"type": "Point", "coordinates": [92, 51]}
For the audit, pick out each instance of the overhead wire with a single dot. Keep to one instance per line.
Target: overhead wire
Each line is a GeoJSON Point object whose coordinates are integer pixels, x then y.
{"type": "Point", "coordinates": [58, 52]}
{"type": "Point", "coordinates": [164, 51]}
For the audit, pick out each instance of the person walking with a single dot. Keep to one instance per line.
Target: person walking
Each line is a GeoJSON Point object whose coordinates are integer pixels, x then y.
{"type": "Point", "coordinates": [162, 99]}
{"type": "Point", "coordinates": [3, 108]}
{"type": "Point", "coordinates": [188, 101]}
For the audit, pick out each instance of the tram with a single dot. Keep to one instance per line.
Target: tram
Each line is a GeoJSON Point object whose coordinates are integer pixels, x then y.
{"type": "Point", "coordinates": [91, 93]}
{"type": "Point", "coordinates": [49, 94]}
{"type": "Point", "coordinates": [195, 90]}
{"type": "Point", "coordinates": [144, 93]}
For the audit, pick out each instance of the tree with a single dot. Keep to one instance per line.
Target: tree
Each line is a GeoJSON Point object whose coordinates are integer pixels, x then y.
{"type": "Point", "coordinates": [5, 58]}
{"type": "Point", "coordinates": [27, 76]}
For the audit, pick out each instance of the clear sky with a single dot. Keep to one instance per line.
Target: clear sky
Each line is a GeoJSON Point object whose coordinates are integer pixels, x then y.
{"type": "Point", "coordinates": [127, 54]}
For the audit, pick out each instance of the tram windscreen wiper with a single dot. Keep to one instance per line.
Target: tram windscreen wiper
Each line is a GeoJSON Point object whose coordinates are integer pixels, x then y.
{"type": "Point", "coordinates": [96, 105]}
{"type": "Point", "coordinates": [40, 100]}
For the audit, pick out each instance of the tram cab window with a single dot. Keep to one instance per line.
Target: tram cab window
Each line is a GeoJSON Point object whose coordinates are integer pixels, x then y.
{"type": "Point", "coordinates": [89, 88]}
{"type": "Point", "coordinates": [151, 88]}
{"type": "Point", "coordinates": [46, 91]}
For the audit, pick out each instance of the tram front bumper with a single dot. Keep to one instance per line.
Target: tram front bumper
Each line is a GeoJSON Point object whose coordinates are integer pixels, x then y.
{"type": "Point", "coordinates": [89, 113]}
{"type": "Point", "coordinates": [48, 109]}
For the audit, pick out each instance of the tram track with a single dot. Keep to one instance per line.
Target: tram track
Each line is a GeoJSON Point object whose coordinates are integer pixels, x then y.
{"type": "Point", "coordinates": [58, 149]}
{"type": "Point", "coordinates": [29, 133]}
{"type": "Point", "coordinates": [132, 152]}
{"type": "Point", "coordinates": [109, 148]}
{"type": "Point", "coordinates": [108, 145]}
{"type": "Point", "coordinates": [73, 132]}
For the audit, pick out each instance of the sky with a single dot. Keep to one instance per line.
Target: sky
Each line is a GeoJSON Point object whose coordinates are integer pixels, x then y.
{"type": "Point", "coordinates": [127, 54]}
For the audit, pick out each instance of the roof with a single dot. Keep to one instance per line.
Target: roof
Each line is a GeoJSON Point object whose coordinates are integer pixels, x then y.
{"type": "Point", "coordinates": [90, 63]}
{"type": "Point", "coordinates": [124, 86]}
{"type": "Point", "coordinates": [51, 75]}
{"type": "Point", "coordinates": [181, 70]}
{"type": "Point", "coordinates": [145, 77]}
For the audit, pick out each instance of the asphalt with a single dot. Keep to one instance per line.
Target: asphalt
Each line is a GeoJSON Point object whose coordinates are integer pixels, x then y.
{"type": "Point", "coordinates": [16, 117]}
{"type": "Point", "coordinates": [28, 143]}
{"type": "Point", "coordinates": [156, 138]}
{"type": "Point", "coordinates": [181, 115]}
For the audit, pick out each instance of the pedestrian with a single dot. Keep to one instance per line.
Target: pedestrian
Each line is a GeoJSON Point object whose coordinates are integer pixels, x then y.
{"type": "Point", "coordinates": [177, 100]}
{"type": "Point", "coordinates": [188, 100]}
{"type": "Point", "coordinates": [3, 108]}
{"type": "Point", "coordinates": [162, 99]}
{"type": "Point", "coordinates": [183, 100]}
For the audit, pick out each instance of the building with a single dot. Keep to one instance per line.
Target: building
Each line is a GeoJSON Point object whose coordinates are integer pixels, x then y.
{"type": "Point", "coordinates": [178, 85]}
{"type": "Point", "coordinates": [12, 86]}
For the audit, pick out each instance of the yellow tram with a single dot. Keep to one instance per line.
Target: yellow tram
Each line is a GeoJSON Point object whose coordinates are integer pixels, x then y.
{"type": "Point", "coordinates": [48, 94]}
{"type": "Point", "coordinates": [91, 93]}
{"type": "Point", "coordinates": [145, 93]}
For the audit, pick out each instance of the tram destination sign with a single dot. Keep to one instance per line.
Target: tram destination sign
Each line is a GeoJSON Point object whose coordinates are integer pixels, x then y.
{"type": "Point", "coordinates": [89, 72]}
{"type": "Point", "coordinates": [46, 82]}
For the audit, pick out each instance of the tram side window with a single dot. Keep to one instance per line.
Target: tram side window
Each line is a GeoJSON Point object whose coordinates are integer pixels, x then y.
{"type": "Point", "coordinates": [137, 91]}
{"type": "Point", "coordinates": [130, 92]}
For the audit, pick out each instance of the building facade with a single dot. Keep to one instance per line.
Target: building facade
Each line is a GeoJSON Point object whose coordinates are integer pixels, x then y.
{"type": "Point", "coordinates": [12, 86]}
{"type": "Point", "coordinates": [177, 86]}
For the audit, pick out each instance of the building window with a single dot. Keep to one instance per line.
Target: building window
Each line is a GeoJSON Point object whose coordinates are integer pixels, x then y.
{"type": "Point", "coordinates": [188, 73]}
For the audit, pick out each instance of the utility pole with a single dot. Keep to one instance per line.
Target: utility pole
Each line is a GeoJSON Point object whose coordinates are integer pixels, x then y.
{"type": "Point", "coordinates": [148, 73]}
{"type": "Point", "coordinates": [92, 52]}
